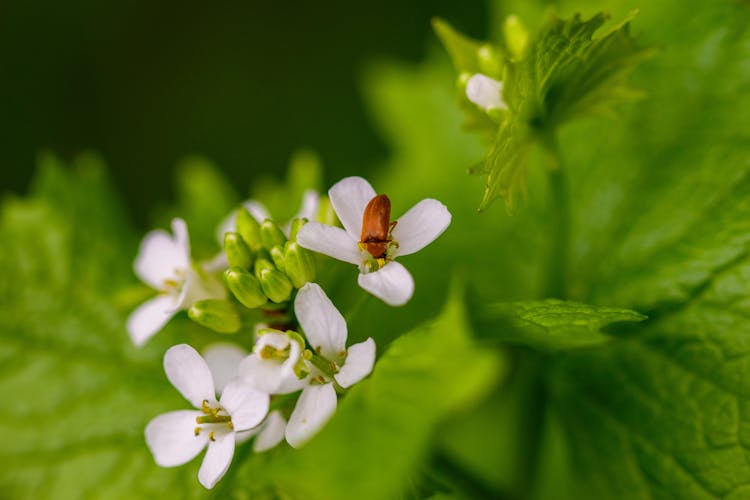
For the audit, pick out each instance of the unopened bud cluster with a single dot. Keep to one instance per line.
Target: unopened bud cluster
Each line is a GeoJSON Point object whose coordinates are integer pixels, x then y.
{"type": "Point", "coordinates": [265, 269]}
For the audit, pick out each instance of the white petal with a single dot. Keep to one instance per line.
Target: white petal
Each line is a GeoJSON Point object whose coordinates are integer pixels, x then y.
{"type": "Point", "coordinates": [309, 208]}
{"type": "Point", "coordinates": [258, 210]}
{"type": "Point", "coordinates": [181, 238]}
{"type": "Point", "coordinates": [150, 317]}
{"type": "Point", "coordinates": [271, 432]}
{"type": "Point", "coordinates": [160, 258]}
{"type": "Point", "coordinates": [216, 462]}
{"type": "Point", "coordinates": [228, 225]}
{"type": "Point", "coordinates": [189, 373]}
{"type": "Point", "coordinates": [247, 406]}
{"type": "Point", "coordinates": [216, 264]}
{"type": "Point", "coordinates": [485, 92]}
{"type": "Point", "coordinates": [420, 226]}
{"type": "Point", "coordinates": [329, 240]}
{"type": "Point", "coordinates": [269, 376]}
{"type": "Point", "coordinates": [392, 284]}
{"type": "Point", "coordinates": [360, 359]}
{"type": "Point", "coordinates": [323, 324]}
{"type": "Point", "coordinates": [172, 440]}
{"type": "Point", "coordinates": [349, 198]}
{"type": "Point", "coordinates": [314, 408]}
{"type": "Point", "coordinates": [198, 287]}
{"type": "Point", "coordinates": [223, 359]}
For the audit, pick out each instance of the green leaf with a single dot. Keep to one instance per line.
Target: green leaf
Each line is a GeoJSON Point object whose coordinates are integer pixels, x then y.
{"type": "Point", "coordinates": [388, 421]}
{"type": "Point", "coordinates": [78, 394]}
{"type": "Point", "coordinates": [554, 324]}
{"type": "Point", "coordinates": [566, 72]}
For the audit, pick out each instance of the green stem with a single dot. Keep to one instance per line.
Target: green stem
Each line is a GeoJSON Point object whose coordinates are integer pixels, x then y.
{"type": "Point", "coordinates": [357, 307]}
{"type": "Point", "coordinates": [560, 222]}
{"type": "Point", "coordinates": [534, 404]}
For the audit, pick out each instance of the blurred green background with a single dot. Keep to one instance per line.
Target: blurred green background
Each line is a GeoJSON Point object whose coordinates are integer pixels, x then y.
{"type": "Point", "coordinates": [241, 83]}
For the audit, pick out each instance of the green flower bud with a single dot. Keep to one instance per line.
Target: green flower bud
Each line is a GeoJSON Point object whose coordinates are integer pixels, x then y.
{"type": "Point", "coordinates": [249, 229]}
{"type": "Point", "coordinates": [516, 36]}
{"type": "Point", "coordinates": [218, 315]}
{"type": "Point", "coordinates": [271, 235]}
{"type": "Point", "coordinates": [277, 255]}
{"type": "Point", "coordinates": [276, 285]}
{"type": "Point", "coordinates": [326, 214]}
{"type": "Point", "coordinates": [245, 287]}
{"type": "Point", "coordinates": [238, 253]}
{"type": "Point", "coordinates": [263, 264]}
{"type": "Point", "coordinates": [296, 226]}
{"type": "Point", "coordinates": [300, 265]}
{"type": "Point", "coordinates": [489, 62]}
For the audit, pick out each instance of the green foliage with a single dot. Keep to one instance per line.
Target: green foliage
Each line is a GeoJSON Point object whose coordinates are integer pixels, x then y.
{"type": "Point", "coordinates": [79, 395]}
{"type": "Point", "coordinates": [564, 73]}
{"type": "Point", "coordinates": [554, 324]}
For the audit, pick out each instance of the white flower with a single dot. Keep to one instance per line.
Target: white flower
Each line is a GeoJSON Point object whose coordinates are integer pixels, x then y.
{"type": "Point", "coordinates": [307, 210]}
{"type": "Point", "coordinates": [485, 92]}
{"type": "Point", "coordinates": [271, 367]}
{"type": "Point", "coordinates": [379, 274]}
{"type": "Point", "coordinates": [223, 360]}
{"type": "Point", "coordinates": [163, 263]}
{"type": "Point", "coordinates": [176, 437]}
{"type": "Point", "coordinates": [325, 330]}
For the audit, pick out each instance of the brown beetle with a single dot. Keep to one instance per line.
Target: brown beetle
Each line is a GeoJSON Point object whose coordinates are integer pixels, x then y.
{"type": "Point", "coordinates": [377, 226]}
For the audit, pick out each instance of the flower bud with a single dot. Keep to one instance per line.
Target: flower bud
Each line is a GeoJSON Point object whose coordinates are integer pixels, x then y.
{"type": "Point", "coordinates": [271, 235]}
{"type": "Point", "coordinates": [300, 264]}
{"type": "Point", "coordinates": [238, 253]}
{"type": "Point", "coordinates": [263, 264]}
{"type": "Point", "coordinates": [218, 315]}
{"type": "Point", "coordinates": [275, 284]}
{"type": "Point", "coordinates": [516, 36]}
{"type": "Point", "coordinates": [295, 227]}
{"type": "Point", "coordinates": [245, 287]}
{"type": "Point", "coordinates": [277, 255]}
{"type": "Point", "coordinates": [489, 62]}
{"type": "Point", "coordinates": [249, 229]}
{"type": "Point", "coordinates": [326, 214]}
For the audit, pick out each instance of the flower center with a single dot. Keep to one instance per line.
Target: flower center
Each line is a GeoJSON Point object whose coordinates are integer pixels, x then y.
{"type": "Point", "coordinates": [173, 286]}
{"type": "Point", "coordinates": [214, 420]}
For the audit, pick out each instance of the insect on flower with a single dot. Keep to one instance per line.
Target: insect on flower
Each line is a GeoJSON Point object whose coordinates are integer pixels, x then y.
{"type": "Point", "coordinates": [377, 227]}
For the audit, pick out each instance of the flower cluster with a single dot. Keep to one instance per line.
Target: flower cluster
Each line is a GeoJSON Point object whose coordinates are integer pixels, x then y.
{"type": "Point", "coordinates": [287, 384]}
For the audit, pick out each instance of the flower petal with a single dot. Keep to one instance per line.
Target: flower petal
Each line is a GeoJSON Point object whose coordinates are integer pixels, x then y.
{"type": "Point", "coordinates": [189, 374]}
{"type": "Point", "coordinates": [323, 324]}
{"type": "Point", "coordinates": [199, 287]}
{"type": "Point", "coordinates": [172, 440]}
{"type": "Point", "coordinates": [360, 359]}
{"type": "Point", "coordinates": [485, 92]}
{"type": "Point", "coordinates": [150, 317]}
{"type": "Point", "coordinates": [246, 405]}
{"type": "Point", "coordinates": [223, 359]}
{"type": "Point", "coordinates": [269, 376]}
{"type": "Point", "coordinates": [314, 408]}
{"type": "Point", "coordinates": [216, 462]}
{"type": "Point", "coordinates": [392, 284]}
{"type": "Point", "coordinates": [310, 203]}
{"type": "Point", "coordinates": [349, 197]}
{"type": "Point", "coordinates": [258, 210]}
{"type": "Point", "coordinates": [271, 432]}
{"type": "Point", "coordinates": [420, 226]}
{"type": "Point", "coordinates": [329, 240]}
{"type": "Point", "coordinates": [160, 257]}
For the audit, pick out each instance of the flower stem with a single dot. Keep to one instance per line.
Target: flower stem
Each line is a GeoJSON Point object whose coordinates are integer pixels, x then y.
{"type": "Point", "coordinates": [357, 307]}
{"type": "Point", "coordinates": [560, 221]}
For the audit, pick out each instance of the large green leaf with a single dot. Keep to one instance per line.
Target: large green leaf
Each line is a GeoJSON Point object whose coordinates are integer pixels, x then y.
{"type": "Point", "coordinates": [79, 395]}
